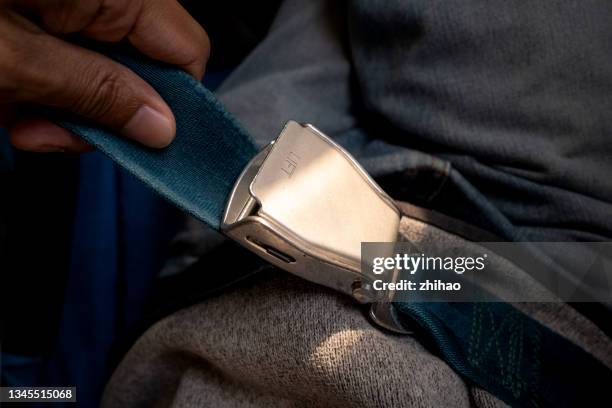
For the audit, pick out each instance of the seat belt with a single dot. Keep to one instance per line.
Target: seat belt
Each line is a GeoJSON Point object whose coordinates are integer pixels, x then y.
{"type": "Point", "coordinates": [293, 205]}
{"type": "Point", "coordinates": [198, 170]}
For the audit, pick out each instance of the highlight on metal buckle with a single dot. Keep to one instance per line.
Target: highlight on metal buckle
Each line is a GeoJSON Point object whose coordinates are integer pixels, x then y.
{"type": "Point", "coordinates": [305, 205]}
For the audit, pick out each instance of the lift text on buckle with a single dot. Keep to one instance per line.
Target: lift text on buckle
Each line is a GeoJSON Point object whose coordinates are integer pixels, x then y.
{"type": "Point", "coordinates": [305, 205]}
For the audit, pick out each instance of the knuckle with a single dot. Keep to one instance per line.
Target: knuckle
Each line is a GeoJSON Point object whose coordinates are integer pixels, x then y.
{"type": "Point", "coordinates": [68, 16]}
{"type": "Point", "coordinates": [8, 83]}
{"type": "Point", "coordinates": [8, 54]}
{"type": "Point", "coordinates": [101, 92]}
{"type": "Point", "coordinates": [114, 20]}
{"type": "Point", "coordinates": [21, 45]}
{"type": "Point", "coordinates": [13, 61]}
{"type": "Point", "coordinates": [17, 68]}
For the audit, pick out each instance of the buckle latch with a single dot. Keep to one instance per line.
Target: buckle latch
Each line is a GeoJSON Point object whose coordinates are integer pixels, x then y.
{"type": "Point", "coordinates": [305, 205]}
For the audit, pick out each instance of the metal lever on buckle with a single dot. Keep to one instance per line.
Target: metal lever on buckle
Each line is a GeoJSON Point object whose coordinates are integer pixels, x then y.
{"type": "Point", "coordinates": [305, 205]}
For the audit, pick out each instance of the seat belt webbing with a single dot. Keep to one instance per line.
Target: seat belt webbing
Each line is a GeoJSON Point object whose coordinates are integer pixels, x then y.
{"type": "Point", "coordinates": [198, 170]}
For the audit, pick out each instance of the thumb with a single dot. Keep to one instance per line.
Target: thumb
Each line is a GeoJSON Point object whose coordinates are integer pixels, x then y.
{"type": "Point", "coordinates": [59, 74]}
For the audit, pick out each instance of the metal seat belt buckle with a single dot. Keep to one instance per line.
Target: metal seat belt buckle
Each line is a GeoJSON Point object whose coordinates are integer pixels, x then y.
{"type": "Point", "coordinates": [305, 205]}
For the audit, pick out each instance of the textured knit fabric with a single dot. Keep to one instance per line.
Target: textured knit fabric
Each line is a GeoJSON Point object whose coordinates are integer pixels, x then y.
{"type": "Point", "coordinates": [284, 342]}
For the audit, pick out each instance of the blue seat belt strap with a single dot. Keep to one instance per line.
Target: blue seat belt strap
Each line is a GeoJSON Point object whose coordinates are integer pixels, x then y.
{"type": "Point", "coordinates": [198, 170]}
{"type": "Point", "coordinates": [500, 349]}
{"type": "Point", "coordinates": [197, 173]}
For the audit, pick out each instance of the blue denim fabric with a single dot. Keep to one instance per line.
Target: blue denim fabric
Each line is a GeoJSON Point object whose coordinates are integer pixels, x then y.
{"type": "Point", "coordinates": [119, 236]}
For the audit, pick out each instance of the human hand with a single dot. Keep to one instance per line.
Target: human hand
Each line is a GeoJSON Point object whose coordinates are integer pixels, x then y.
{"type": "Point", "coordinates": [38, 67]}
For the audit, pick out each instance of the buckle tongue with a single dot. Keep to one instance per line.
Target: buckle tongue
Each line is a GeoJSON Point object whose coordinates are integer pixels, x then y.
{"type": "Point", "coordinates": [305, 205]}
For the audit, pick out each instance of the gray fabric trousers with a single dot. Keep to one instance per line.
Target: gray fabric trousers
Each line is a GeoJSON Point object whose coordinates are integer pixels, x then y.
{"type": "Point", "coordinates": [286, 342]}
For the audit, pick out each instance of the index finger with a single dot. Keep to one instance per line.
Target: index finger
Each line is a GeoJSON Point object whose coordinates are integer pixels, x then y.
{"type": "Point", "coordinates": [164, 31]}
{"type": "Point", "coordinates": [160, 29]}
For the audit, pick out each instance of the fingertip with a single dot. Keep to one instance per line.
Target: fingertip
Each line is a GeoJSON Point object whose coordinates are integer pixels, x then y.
{"type": "Point", "coordinates": [197, 67]}
{"type": "Point", "coordinates": [183, 42]}
{"type": "Point", "coordinates": [40, 135]}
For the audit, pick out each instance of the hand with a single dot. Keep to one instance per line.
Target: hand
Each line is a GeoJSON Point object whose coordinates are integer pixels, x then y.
{"type": "Point", "coordinates": [38, 67]}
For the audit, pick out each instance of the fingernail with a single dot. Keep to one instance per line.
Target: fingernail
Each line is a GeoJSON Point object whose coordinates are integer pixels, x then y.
{"type": "Point", "coordinates": [150, 128]}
